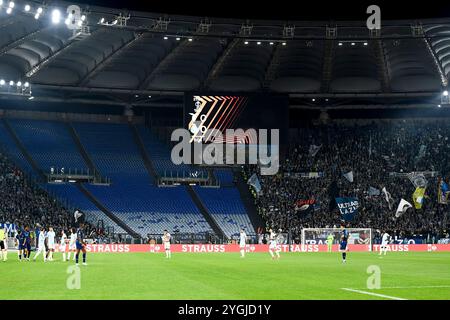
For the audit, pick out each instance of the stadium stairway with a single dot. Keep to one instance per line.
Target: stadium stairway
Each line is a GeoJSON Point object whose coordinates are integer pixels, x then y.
{"type": "Point", "coordinates": [82, 150]}
{"type": "Point", "coordinates": [248, 201]}
{"type": "Point", "coordinates": [113, 217]}
{"type": "Point", "coordinates": [205, 212]}
{"type": "Point", "coordinates": [143, 151]}
{"type": "Point", "coordinates": [24, 151]}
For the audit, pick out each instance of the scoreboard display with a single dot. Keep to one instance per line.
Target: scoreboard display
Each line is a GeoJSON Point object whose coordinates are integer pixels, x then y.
{"type": "Point", "coordinates": [206, 112]}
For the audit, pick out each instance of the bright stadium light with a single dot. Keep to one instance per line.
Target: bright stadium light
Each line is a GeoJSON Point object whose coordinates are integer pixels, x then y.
{"type": "Point", "coordinates": [115, 22]}
{"type": "Point", "coordinates": [8, 11]}
{"type": "Point", "coordinates": [178, 38]}
{"type": "Point", "coordinates": [11, 4]}
{"type": "Point", "coordinates": [445, 93]}
{"type": "Point", "coordinates": [165, 38]}
{"type": "Point", "coordinates": [39, 10]}
{"type": "Point", "coordinates": [258, 43]}
{"type": "Point", "coordinates": [246, 42]}
{"type": "Point", "coordinates": [353, 43]}
{"type": "Point", "coordinates": [27, 8]}
{"type": "Point", "coordinates": [190, 39]}
{"type": "Point", "coordinates": [102, 20]}
{"type": "Point", "coordinates": [26, 84]}
{"type": "Point", "coordinates": [11, 83]}
{"type": "Point", "coordinates": [2, 82]}
{"type": "Point", "coordinates": [83, 17]}
{"type": "Point", "coordinates": [439, 106]}
{"type": "Point", "coordinates": [56, 16]}
{"type": "Point", "coordinates": [1, 2]}
{"type": "Point", "coordinates": [19, 83]}
{"type": "Point", "coordinates": [284, 43]}
{"type": "Point", "coordinates": [340, 44]}
{"type": "Point", "coordinates": [271, 43]}
{"type": "Point", "coordinates": [36, 16]}
{"type": "Point", "coordinates": [365, 43]}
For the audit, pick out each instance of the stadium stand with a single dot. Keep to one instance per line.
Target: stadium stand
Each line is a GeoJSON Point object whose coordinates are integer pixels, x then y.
{"type": "Point", "coordinates": [226, 208]}
{"type": "Point", "coordinates": [24, 203]}
{"type": "Point", "coordinates": [132, 195]}
{"type": "Point", "coordinates": [49, 143]}
{"type": "Point", "coordinates": [371, 151]}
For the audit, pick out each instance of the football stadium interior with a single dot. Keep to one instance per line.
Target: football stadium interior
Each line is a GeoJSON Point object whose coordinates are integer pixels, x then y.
{"type": "Point", "coordinates": [90, 98]}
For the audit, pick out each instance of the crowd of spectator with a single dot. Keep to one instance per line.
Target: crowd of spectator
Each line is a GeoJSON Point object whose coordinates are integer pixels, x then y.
{"type": "Point", "coordinates": [24, 204]}
{"type": "Point", "coordinates": [371, 151]}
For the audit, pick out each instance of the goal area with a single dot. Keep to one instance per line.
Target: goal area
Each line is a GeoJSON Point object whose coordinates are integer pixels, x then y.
{"type": "Point", "coordinates": [358, 236]}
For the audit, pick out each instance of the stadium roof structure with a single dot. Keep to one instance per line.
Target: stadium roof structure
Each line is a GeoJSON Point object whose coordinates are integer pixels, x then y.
{"type": "Point", "coordinates": [134, 58]}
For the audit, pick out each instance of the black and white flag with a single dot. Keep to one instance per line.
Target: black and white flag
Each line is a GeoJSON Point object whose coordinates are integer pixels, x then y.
{"type": "Point", "coordinates": [418, 179]}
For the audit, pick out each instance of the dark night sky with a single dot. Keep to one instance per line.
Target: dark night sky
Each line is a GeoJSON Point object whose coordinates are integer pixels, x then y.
{"type": "Point", "coordinates": [285, 10]}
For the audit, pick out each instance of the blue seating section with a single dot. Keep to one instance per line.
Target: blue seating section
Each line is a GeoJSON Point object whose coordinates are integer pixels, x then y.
{"type": "Point", "coordinates": [225, 177]}
{"type": "Point", "coordinates": [8, 145]}
{"type": "Point", "coordinates": [72, 196]}
{"type": "Point", "coordinates": [160, 155]}
{"type": "Point", "coordinates": [112, 149]}
{"type": "Point", "coordinates": [132, 196]}
{"type": "Point", "coordinates": [49, 143]}
{"type": "Point", "coordinates": [227, 210]}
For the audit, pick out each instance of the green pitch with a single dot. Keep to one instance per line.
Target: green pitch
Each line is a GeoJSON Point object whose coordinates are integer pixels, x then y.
{"type": "Point", "coordinates": [295, 276]}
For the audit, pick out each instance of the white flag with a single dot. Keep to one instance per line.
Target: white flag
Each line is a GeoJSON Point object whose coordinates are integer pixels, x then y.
{"type": "Point", "coordinates": [77, 214]}
{"type": "Point", "coordinates": [349, 176]}
{"type": "Point", "coordinates": [402, 207]}
{"type": "Point", "coordinates": [388, 198]}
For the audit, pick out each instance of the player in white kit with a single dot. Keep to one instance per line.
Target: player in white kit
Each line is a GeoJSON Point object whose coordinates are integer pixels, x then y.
{"type": "Point", "coordinates": [166, 241]}
{"type": "Point", "coordinates": [72, 244]}
{"type": "Point", "coordinates": [273, 245]}
{"type": "Point", "coordinates": [51, 243]}
{"type": "Point", "coordinates": [63, 245]}
{"type": "Point", "coordinates": [384, 243]}
{"type": "Point", "coordinates": [242, 242]}
{"type": "Point", "coordinates": [41, 246]}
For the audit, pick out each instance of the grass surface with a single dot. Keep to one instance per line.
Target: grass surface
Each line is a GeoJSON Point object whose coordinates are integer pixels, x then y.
{"type": "Point", "coordinates": [295, 276]}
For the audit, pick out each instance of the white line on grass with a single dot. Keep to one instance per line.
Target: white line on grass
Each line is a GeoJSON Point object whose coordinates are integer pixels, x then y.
{"type": "Point", "coordinates": [373, 294]}
{"type": "Point", "coordinates": [412, 287]}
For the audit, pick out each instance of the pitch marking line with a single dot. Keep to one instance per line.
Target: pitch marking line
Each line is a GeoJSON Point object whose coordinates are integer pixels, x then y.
{"type": "Point", "coordinates": [373, 294]}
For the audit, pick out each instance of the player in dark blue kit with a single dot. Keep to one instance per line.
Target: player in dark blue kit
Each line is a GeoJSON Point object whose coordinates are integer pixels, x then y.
{"type": "Point", "coordinates": [27, 243]}
{"type": "Point", "coordinates": [343, 247]}
{"type": "Point", "coordinates": [81, 245]}
{"type": "Point", "coordinates": [21, 241]}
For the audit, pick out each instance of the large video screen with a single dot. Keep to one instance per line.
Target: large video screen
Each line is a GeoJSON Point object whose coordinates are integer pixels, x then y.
{"type": "Point", "coordinates": [206, 112]}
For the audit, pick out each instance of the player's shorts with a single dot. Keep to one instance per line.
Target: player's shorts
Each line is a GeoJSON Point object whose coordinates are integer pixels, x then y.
{"type": "Point", "coordinates": [51, 246]}
{"type": "Point", "coordinates": [384, 244]}
{"type": "Point", "coordinates": [72, 246]}
{"type": "Point", "coordinates": [62, 248]}
{"type": "Point", "coordinates": [167, 245]}
{"type": "Point", "coordinates": [27, 246]}
{"type": "Point", "coordinates": [343, 245]}
{"type": "Point", "coordinates": [2, 245]}
{"type": "Point", "coordinates": [242, 245]}
{"type": "Point", "coordinates": [79, 246]}
{"type": "Point", "coordinates": [273, 245]}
